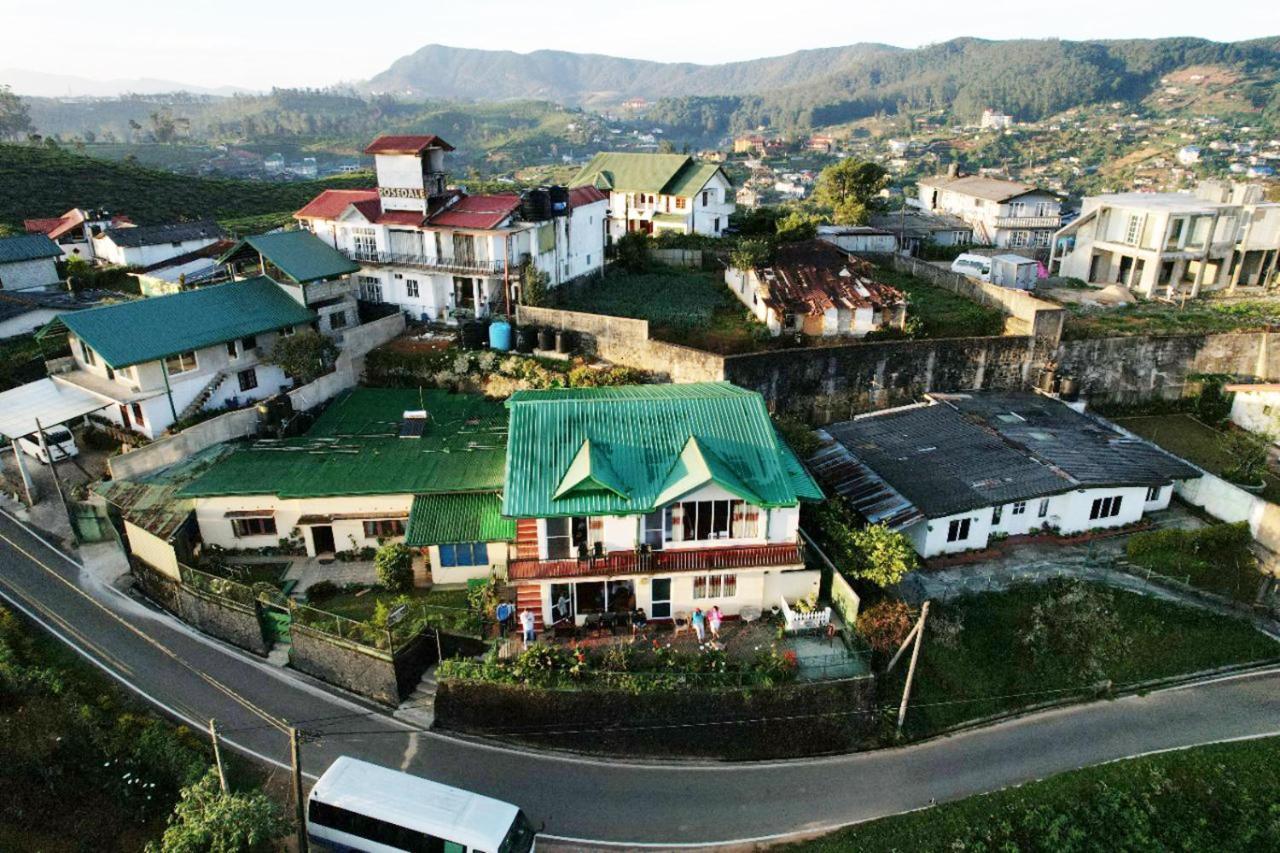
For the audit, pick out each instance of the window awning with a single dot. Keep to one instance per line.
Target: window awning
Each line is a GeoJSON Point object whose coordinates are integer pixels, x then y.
{"type": "Point", "coordinates": [250, 513]}
{"type": "Point", "coordinates": [51, 402]}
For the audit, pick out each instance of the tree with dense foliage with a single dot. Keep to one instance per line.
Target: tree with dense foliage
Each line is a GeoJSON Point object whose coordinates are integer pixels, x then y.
{"type": "Point", "coordinates": [394, 566]}
{"type": "Point", "coordinates": [304, 355]}
{"type": "Point", "coordinates": [885, 556]}
{"type": "Point", "coordinates": [533, 284]}
{"type": "Point", "coordinates": [206, 820]}
{"type": "Point", "coordinates": [798, 225]}
{"type": "Point", "coordinates": [15, 118]}
{"type": "Point", "coordinates": [633, 252]}
{"type": "Point", "coordinates": [1076, 623]}
{"type": "Point", "coordinates": [750, 253]}
{"type": "Point", "coordinates": [849, 188]}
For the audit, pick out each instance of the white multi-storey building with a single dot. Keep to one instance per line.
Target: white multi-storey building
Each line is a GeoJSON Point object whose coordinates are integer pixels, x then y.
{"type": "Point", "coordinates": [1004, 214]}
{"type": "Point", "coordinates": [653, 193]}
{"type": "Point", "coordinates": [1222, 237]}
{"type": "Point", "coordinates": [442, 255]}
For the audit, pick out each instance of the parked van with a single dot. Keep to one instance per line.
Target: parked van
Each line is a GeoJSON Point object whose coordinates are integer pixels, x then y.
{"type": "Point", "coordinates": [974, 266]}
{"type": "Point", "coordinates": [59, 440]}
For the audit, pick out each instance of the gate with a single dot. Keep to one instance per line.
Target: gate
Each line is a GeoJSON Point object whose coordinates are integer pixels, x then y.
{"type": "Point", "coordinates": [276, 617]}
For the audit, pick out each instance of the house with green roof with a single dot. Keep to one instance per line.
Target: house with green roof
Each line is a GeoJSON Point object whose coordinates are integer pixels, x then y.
{"type": "Point", "coordinates": [156, 361]}
{"type": "Point", "coordinates": [653, 193]}
{"type": "Point", "coordinates": [662, 498]}
{"type": "Point", "coordinates": [28, 261]}
{"type": "Point", "coordinates": [381, 464]}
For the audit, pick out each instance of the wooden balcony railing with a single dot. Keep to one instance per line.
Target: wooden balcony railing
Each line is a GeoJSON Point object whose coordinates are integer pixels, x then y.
{"type": "Point", "coordinates": [660, 562]}
{"type": "Point", "coordinates": [464, 265]}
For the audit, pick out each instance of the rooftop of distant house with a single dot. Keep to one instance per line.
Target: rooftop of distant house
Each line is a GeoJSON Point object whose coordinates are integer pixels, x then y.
{"type": "Point", "coordinates": [55, 227]}
{"type": "Point", "coordinates": [631, 449]}
{"type": "Point", "coordinates": [660, 174]}
{"type": "Point", "coordinates": [371, 441]}
{"type": "Point", "coordinates": [814, 276]}
{"type": "Point", "coordinates": [27, 247]}
{"type": "Point", "coordinates": [154, 235]}
{"type": "Point", "coordinates": [980, 186]}
{"type": "Point", "coordinates": [961, 452]}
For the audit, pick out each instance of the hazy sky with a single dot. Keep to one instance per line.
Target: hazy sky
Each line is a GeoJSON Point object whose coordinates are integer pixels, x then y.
{"type": "Point", "coordinates": [266, 42]}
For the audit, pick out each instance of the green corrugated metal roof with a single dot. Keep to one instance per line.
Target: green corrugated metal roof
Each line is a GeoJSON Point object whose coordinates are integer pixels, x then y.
{"type": "Point", "coordinates": [355, 449]}
{"type": "Point", "coordinates": [643, 432]}
{"type": "Point", "coordinates": [628, 172]}
{"type": "Point", "coordinates": [692, 178]}
{"type": "Point", "coordinates": [27, 247]}
{"type": "Point", "coordinates": [143, 330]}
{"type": "Point", "coordinates": [444, 519]}
{"type": "Point", "coordinates": [300, 255]}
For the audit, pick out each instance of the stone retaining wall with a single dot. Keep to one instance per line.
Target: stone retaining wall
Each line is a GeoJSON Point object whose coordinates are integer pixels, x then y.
{"type": "Point", "coordinates": [226, 620]}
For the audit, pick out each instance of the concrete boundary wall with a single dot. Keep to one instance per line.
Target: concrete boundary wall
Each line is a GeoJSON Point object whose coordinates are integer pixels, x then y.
{"type": "Point", "coordinates": [626, 341]}
{"type": "Point", "coordinates": [243, 423]}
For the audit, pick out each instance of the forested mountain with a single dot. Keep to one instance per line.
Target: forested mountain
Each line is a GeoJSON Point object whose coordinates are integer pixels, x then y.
{"type": "Point", "coordinates": [1029, 79]}
{"type": "Point", "coordinates": [437, 71]}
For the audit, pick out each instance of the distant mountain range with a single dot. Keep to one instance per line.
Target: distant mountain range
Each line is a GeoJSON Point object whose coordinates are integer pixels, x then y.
{"type": "Point", "coordinates": [38, 84]}
{"type": "Point", "coordinates": [437, 71]}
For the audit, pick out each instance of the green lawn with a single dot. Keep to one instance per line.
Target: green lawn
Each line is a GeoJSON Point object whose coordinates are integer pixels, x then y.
{"type": "Point", "coordinates": [943, 313]}
{"type": "Point", "coordinates": [1217, 558]}
{"type": "Point", "coordinates": [359, 607]}
{"type": "Point", "coordinates": [446, 609]}
{"type": "Point", "coordinates": [957, 682]}
{"type": "Point", "coordinates": [1187, 437]}
{"type": "Point", "coordinates": [1200, 316]}
{"type": "Point", "coordinates": [682, 306]}
{"type": "Point", "coordinates": [1220, 798]}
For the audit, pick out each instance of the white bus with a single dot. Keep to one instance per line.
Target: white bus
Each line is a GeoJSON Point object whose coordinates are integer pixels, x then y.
{"type": "Point", "coordinates": [357, 806]}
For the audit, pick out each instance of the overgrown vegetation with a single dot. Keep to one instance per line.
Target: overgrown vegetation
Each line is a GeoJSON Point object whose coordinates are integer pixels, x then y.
{"type": "Point", "coordinates": [207, 819]}
{"type": "Point", "coordinates": [941, 313]}
{"type": "Point", "coordinates": [491, 373]}
{"type": "Point", "coordinates": [1201, 316]}
{"type": "Point", "coordinates": [1217, 558]}
{"type": "Point", "coordinates": [305, 355]}
{"type": "Point", "coordinates": [1221, 797]}
{"type": "Point", "coordinates": [1187, 437]}
{"type": "Point", "coordinates": [1011, 651]}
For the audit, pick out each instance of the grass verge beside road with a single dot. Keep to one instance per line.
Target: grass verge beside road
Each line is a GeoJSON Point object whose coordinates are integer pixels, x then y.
{"type": "Point", "coordinates": [1221, 797]}
{"type": "Point", "coordinates": [977, 660]}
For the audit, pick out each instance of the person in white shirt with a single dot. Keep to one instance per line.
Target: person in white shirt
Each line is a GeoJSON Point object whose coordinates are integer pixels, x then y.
{"type": "Point", "coordinates": [526, 621]}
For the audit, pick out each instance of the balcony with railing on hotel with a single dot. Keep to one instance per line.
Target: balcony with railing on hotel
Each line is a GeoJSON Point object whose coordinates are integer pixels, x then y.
{"type": "Point", "coordinates": [465, 265]}
{"type": "Point", "coordinates": [1029, 222]}
{"type": "Point", "coordinates": [642, 561]}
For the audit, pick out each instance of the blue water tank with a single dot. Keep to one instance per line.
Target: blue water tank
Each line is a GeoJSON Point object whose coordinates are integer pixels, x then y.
{"type": "Point", "coordinates": [500, 336]}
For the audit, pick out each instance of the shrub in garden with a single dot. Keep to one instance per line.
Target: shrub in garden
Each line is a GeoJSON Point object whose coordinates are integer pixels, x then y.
{"type": "Point", "coordinates": [304, 356]}
{"type": "Point", "coordinates": [207, 819]}
{"type": "Point", "coordinates": [885, 625]}
{"type": "Point", "coordinates": [1248, 452]}
{"type": "Point", "coordinates": [633, 252]}
{"type": "Point", "coordinates": [1075, 625]}
{"type": "Point", "coordinates": [394, 565]}
{"type": "Point", "coordinates": [321, 591]}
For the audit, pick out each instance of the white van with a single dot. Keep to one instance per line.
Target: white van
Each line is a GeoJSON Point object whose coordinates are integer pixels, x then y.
{"type": "Point", "coordinates": [974, 266]}
{"type": "Point", "coordinates": [361, 806]}
{"type": "Point", "coordinates": [59, 440]}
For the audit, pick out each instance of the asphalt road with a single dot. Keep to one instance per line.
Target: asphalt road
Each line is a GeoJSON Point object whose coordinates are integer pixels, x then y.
{"type": "Point", "coordinates": [195, 677]}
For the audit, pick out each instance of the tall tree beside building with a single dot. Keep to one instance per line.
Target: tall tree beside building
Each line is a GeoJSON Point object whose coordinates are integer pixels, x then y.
{"type": "Point", "coordinates": [849, 188]}
{"type": "Point", "coordinates": [15, 119]}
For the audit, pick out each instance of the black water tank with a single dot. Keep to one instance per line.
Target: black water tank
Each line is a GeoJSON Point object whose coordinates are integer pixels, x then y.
{"type": "Point", "coordinates": [536, 205]}
{"type": "Point", "coordinates": [546, 339]}
{"type": "Point", "coordinates": [526, 339]}
{"type": "Point", "coordinates": [472, 334]}
{"type": "Point", "coordinates": [559, 200]}
{"type": "Point", "coordinates": [565, 340]}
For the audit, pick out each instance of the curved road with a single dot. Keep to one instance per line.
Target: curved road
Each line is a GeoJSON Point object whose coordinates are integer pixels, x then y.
{"type": "Point", "coordinates": [602, 800]}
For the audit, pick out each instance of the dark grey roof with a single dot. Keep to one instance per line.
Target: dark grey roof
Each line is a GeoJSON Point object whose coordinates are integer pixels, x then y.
{"type": "Point", "coordinates": [969, 451]}
{"type": "Point", "coordinates": [841, 473]}
{"type": "Point", "coordinates": [25, 301]}
{"type": "Point", "coordinates": [27, 247]}
{"type": "Point", "coordinates": [175, 232]}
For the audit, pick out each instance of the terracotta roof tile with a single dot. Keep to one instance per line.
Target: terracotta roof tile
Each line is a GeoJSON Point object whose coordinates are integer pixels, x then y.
{"type": "Point", "coordinates": [330, 203]}
{"type": "Point", "coordinates": [480, 212]}
{"type": "Point", "coordinates": [406, 144]}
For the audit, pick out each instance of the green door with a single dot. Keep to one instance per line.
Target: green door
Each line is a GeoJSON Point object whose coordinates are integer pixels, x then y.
{"type": "Point", "coordinates": [275, 622]}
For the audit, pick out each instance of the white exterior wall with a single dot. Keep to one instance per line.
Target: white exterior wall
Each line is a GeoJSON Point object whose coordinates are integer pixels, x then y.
{"type": "Point", "coordinates": [28, 275]}
{"type": "Point", "coordinates": [713, 217]}
{"type": "Point", "coordinates": [152, 550]}
{"type": "Point", "coordinates": [144, 256]}
{"type": "Point", "coordinates": [499, 554]}
{"type": "Point", "coordinates": [404, 172]}
{"type": "Point", "coordinates": [216, 529]}
{"type": "Point", "coordinates": [1257, 411]}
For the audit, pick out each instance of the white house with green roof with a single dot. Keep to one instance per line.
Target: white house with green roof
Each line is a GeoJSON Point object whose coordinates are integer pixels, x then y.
{"type": "Point", "coordinates": [155, 361]}
{"type": "Point", "coordinates": [663, 498]}
{"type": "Point", "coordinates": [380, 465]}
{"type": "Point", "coordinates": [653, 193]}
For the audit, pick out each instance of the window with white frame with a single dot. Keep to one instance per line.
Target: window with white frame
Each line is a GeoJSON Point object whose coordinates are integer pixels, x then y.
{"type": "Point", "coordinates": [183, 362]}
{"type": "Point", "coordinates": [958, 530]}
{"type": "Point", "coordinates": [248, 379]}
{"type": "Point", "coordinates": [370, 288]}
{"type": "Point", "coordinates": [1153, 493]}
{"type": "Point", "coordinates": [464, 554]}
{"type": "Point", "coordinates": [1020, 239]}
{"type": "Point", "coordinates": [1133, 229]}
{"type": "Point", "coordinates": [364, 242]}
{"type": "Point", "coordinates": [996, 514]}
{"type": "Point", "coordinates": [702, 520]}
{"type": "Point", "coordinates": [87, 354]}
{"type": "Point", "coordinates": [1044, 508]}
{"type": "Point", "coordinates": [1105, 507]}
{"type": "Point", "coordinates": [1019, 508]}
{"type": "Point", "coordinates": [715, 586]}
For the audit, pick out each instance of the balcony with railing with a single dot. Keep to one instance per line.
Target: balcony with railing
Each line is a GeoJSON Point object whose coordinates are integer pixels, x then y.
{"type": "Point", "coordinates": [639, 562]}
{"type": "Point", "coordinates": [458, 265]}
{"type": "Point", "coordinates": [1028, 221]}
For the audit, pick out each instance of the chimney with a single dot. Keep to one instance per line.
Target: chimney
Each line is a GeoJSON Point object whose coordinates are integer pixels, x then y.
{"type": "Point", "coordinates": [953, 171]}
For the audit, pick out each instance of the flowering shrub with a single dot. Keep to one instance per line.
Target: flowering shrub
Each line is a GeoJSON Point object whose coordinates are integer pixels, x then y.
{"type": "Point", "coordinates": [885, 625]}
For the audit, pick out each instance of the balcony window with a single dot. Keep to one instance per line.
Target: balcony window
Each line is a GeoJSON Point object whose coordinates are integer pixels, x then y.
{"type": "Point", "coordinates": [183, 362]}
{"type": "Point", "coordinates": [566, 536]}
{"type": "Point", "coordinates": [703, 520]}
{"type": "Point", "coordinates": [364, 241]}
{"type": "Point", "coordinates": [657, 528]}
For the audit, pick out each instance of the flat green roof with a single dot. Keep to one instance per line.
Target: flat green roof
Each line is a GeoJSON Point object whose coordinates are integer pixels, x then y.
{"type": "Point", "coordinates": [646, 446]}
{"type": "Point", "coordinates": [355, 448]}
{"type": "Point", "coordinates": [300, 255]}
{"type": "Point", "coordinates": [143, 330]}
{"type": "Point", "coordinates": [458, 517]}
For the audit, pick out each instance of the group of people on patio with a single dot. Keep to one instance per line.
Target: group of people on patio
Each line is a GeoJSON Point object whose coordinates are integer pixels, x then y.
{"type": "Point", "coordinates": [704, 623]}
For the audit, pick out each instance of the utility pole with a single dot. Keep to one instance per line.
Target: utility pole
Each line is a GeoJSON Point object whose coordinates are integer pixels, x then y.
{"type": "Point", "coordinates": [53, 468]}
{"type": "Point", "coordinates": [217, 755]}
{"type": "Point", "coordinates": [295, 758]}
{"type": "Point", "coordinates": [911, 670]}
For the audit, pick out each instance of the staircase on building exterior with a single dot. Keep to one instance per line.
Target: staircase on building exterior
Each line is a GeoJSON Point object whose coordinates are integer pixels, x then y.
{"type": "Point", "coordinates": [203, 397]}
{"type": "Point", "coordinates": [529, 597]}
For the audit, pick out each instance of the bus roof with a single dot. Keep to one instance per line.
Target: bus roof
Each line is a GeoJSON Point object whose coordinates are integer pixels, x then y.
{"type": "Point", "coordinates": [415, 803]}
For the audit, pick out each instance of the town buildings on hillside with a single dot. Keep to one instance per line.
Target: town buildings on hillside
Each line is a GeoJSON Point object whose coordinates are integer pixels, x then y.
{"type": "Point", "coordinates": [656, 193]}
{"type": "Point", "coordinates": [816, 289]}
{"type": "Point", "coordinates": [1221, 237]}
{"type": "Point", "coordinates": [442, 255]}
{"type": "Point", "coordinates": [962, 468]}
{"type": "Point", "coordinates": [1004, 214]}
{"type": "Point", "coordinates": [74, 230]}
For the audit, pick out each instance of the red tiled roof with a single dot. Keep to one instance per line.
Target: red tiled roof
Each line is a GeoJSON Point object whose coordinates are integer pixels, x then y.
{"type": "Point", "coordinates": [579, 196]}
{"type": "Point", "coordinates": [480, 212]}
{"type": "Point", "coordinates": [41, 226]}
{"type": "Point", "coordinates": [406, 144]}
{"type": "Point", "coordinates": [330, 203]}
{"type": "Point", "coordinates": [55, 228]}
{"type": "Point", "coordinates": [401, 217]}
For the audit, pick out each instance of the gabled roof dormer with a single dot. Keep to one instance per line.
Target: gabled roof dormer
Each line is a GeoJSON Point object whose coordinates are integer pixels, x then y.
{"type": "Point", "coordinates": [589, 472]}
{"type": "Point", "coordinates": [695, 467]}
